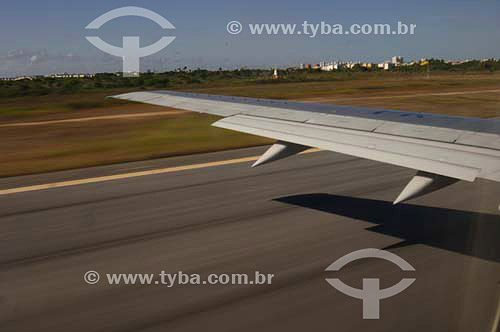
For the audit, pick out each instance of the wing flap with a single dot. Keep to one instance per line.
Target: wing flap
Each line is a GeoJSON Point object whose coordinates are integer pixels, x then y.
{"type": "Point", "coordinates": [416, 131]}
{"type": "Point", "coordinates": [480, 139]}
{"type": "Point", "coordinates": [347, 122]}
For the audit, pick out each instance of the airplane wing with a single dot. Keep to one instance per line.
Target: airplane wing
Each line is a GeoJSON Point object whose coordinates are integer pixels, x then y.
{"type": "Point", "coordinates": [443, 149]}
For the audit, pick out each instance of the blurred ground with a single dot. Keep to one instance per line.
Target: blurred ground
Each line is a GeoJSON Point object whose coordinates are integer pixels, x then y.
{"type": "Point", "coordinates": [64, 145]}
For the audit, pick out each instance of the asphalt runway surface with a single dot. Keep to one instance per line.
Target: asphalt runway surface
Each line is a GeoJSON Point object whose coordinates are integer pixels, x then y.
{"type": "Point", "coordinates": [292, 218]}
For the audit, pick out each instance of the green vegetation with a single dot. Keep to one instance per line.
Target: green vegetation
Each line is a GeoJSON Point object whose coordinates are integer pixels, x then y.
{"type": "Point", "coordinates": [46, 86]}
{"type": "Point", "coordinates": [440, 65]}
{"type": "Point", "coordinates": [92, 101]}
{"type": "Point", "coordinates": [63, 105]}
{"type": "Point", "coordinates": [54, 147]}
{"type": "Point", "coordinates": [182, 79]}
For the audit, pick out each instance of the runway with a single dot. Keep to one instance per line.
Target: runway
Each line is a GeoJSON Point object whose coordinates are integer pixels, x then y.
{"type": "Point", "coordinates": [292, 218]}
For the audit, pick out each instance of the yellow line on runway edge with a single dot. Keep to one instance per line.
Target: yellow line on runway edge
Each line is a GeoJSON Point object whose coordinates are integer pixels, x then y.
{"type": "Point", "coordinates": [132, 175]}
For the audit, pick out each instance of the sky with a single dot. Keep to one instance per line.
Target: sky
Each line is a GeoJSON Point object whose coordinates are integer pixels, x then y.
{"type": "Point", "coordinates": [42, 37]}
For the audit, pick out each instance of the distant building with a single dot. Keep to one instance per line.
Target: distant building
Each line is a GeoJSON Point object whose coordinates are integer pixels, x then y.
{"type": "Point", "coordinates": [327, 66]}
{"type": "Point", "coordinates": [385, 65]}
{"type": "Point", "coordinates": [332, 65]}
{"type": "Point", "coordinates": [388, 66]}
{"type": "Point", "coordinates": [18, 78]}
{"type": "Point", "coordinates": [394, 62]}
{"type": "Point", "coordinates": [397, 60]}
{"type": "Point", "coordinates": [23, 78]}
{"type": "Point", "coordinates": [412, 63]}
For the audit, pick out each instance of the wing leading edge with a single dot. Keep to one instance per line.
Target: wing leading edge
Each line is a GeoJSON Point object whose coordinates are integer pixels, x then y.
{"type": "Point", "coordinates": [442, 149]}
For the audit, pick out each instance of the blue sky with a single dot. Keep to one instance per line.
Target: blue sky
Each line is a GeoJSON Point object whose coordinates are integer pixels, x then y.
{"type": "Point", "coordinates": [39, 37]}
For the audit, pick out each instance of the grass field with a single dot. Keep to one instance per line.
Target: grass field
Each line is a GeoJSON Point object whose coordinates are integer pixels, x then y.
{"type": "Point", "coordinates": [361, 85]}
{"type": "Point", "coordinates": [49, 147]}
{"type": "Point", "coordinates": [46, 148]}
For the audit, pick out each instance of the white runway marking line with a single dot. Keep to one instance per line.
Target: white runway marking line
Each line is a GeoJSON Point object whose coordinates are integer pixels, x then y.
{"type": "Point", "coordinates": [95, 118]}
{"type": "Point", "coordinates": [131, 175]}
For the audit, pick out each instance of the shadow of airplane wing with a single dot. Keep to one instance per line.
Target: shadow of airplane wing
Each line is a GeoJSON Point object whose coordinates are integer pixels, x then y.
{"type": "Point", "coordinates": [470, 233]}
